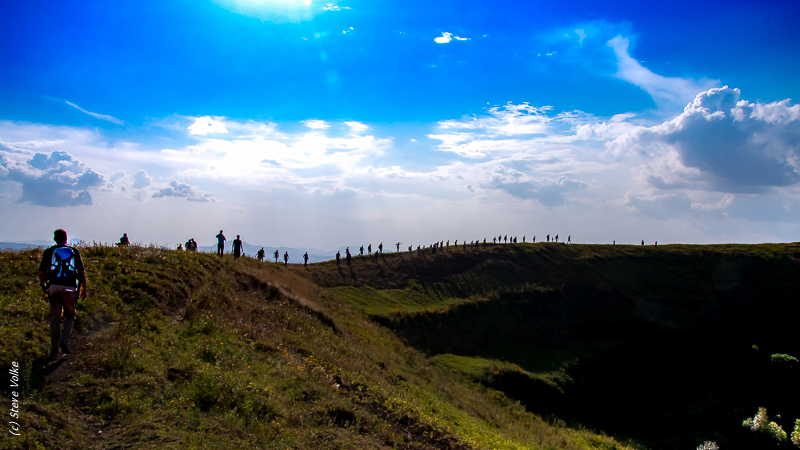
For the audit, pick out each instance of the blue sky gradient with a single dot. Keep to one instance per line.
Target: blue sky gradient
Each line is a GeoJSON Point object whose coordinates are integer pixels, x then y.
{"type": "Point", "coordinates": [316, 124]}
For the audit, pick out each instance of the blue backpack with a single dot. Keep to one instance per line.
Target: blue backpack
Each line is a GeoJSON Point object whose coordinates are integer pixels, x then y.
{"type": "Point", "coordinates": [62, 267]}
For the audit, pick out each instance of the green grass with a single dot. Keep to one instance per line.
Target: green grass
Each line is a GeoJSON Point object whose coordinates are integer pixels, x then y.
{"type": "Point", "coordinates": [181, 350]}
{"type": "Point", "coordinates": [616, 329]}
{"type": "Point", "coordinates": [414, 297]}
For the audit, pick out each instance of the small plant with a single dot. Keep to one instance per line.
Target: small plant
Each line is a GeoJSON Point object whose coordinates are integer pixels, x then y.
{"type": "Point", "coordinates": [708, 445]}
{"type": "Point", "coordinates": [783, 358]}
{"type": "Point", "coordinates": [760, 422]}
{"type": "Point", "coordinates": [796, 433]}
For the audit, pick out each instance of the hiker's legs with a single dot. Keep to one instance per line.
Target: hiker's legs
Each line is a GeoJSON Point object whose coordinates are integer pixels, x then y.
{"type": "Point", "coordinates": [69, 299]}
{"type": "Point", "coordinates": [55, 323]}
{"type": "Point", "coordinates": [65, 298]}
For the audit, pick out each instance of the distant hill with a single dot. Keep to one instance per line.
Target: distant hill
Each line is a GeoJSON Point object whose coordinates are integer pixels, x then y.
{"type": "Point", "coordinates": [517, 346]}
{"type": "Point", "coordinates": [670, 345]}
{"type": "Point", "coordinates": [14, 246]}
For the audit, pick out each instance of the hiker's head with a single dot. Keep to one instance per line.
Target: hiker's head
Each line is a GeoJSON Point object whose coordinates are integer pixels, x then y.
{"type": "Point", "coordinates": [125, 234]}
{"type": "Point", "coordinates": [237, 236]}
{"type": "Point", "coordinates": [60, 236]}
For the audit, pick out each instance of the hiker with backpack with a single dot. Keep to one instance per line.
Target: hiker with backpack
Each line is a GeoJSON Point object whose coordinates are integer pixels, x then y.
{"type": "Point", "coordinates": [62, 277]}
{"type": "Point", "coordinates": [124, 241]}
{"type": "Point", "coordinates": [260, 255]}
{"type": "Point", "coordinates": [286, 259]}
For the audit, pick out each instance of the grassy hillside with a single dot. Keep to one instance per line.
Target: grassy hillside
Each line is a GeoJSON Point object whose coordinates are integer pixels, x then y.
{"type": "Point", "coordinates": [670, 345]}
{"type": "Point", "coordinates": [178, 350]}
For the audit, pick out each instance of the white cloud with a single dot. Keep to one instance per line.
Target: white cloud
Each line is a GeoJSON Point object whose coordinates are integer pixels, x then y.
{"type": "Point", "coordinates": [141, 180]}
{"type": "Point", "coordinates": [183, 190]}
{"type": "Point", "coordinates": [446, 37]}
{"type": "Point", "coordinates": [105, 117]}
{"type": "Point", "coordinates": [357, 127]}
{"type": "Point", "coordinates": [205, 125]}
{"type": "Point", "coordinates": [334, 7]}
{"type": "Point", "coordinates": [666, 91]}
{"type": "Point", "coordinates": [57, 179]}
{"type": "Point", "coordinates": [720, 143]}
{"type": "Point", "coordinates": [316, 124]}
{"type": "Point", "coordinates": [581, 34]}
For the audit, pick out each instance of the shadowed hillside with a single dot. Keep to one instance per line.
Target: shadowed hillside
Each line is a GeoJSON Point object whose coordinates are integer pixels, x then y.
{"type": "Point", "coordinates": [187, 350]}
{"type": "Point", "coordinates": [670, 345]}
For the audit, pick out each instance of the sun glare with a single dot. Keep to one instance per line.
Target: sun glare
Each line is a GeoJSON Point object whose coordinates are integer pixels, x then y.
{"type": "Point", "coordinates": [270, 10]}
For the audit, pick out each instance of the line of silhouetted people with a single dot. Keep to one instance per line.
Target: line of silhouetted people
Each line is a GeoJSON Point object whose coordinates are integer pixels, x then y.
{"type": "Point", "coordinates": [238, 247]}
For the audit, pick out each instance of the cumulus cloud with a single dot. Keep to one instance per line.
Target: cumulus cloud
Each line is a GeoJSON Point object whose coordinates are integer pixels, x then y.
{"type": "Point", "coordinates": [316, 124]}
{"type": "Point", "coordinates": [446, 37]}
{"type": "Point", "coordinates": [205, 125]}
{"type": "Point", "coordinates": [183, 190]}
{"type": "Point", "coordinates": [720, 143]}
{"type": "Point", "coordinates": [105, 117]}
{"type": "Point", "coordinates": [141, 180]}
{"type": "Point", "coordinates": [56, 179]}
{"type": "Point", "coordinates": [666, 91]}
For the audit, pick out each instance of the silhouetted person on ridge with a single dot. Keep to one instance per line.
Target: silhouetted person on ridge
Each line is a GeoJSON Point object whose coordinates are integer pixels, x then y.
{"type": "Point", "coordinates": [286, 259]}
{"type": "Point", "coordinates": [260, 255]}
{"type": "Point", "coordinates": [220, 243]}
{"type": "Point", "coordinates": [124, 241]}
{"type": "Point", "coordinates": [361, 251]}
{"type": "Point", "coordinates": [548, 237]}
{"type": "Point", "coordinates": [523, 238]}
{"type": "Point", "coordinates": [642, 241]}
{"type": "Point", "coordinates": [380, 248]}
{"type": "Point", "coordinates": [569, 239]}
{"type": "Point", "coordinates": [369, 249]}
{"type": "Point", "coordinates": [494, 240]}
{"type": "Point", "coordinates": [556, 238]}
{"type": "Point", "coordinates": [398, 247]}
{"type": "Point", "coordinates": [338, 257]}
{"type": "Point", "coordinates": [534, 240]}
{"type": "Point", "coordinates": [409, 249]}
{"type": "Point", "coordinates": [277, 253]}
{"type": "Point", "coordinates": [505, 239]}
{"type": "Point", "coordinates": [305, 259]}
{"type": "Point", "coordinates": [180, 248]}
{"type": "Point", "coordinates": [347, 255]}
{"type": "Point", "coordinates": [656, 243]}
{"type": "Point", "coordinates": [62, 277]}
{"type": "Point", "coordinates": [456, 244]}
{"type": "Point", "coordinates": [237, 247]}
{"type": "Point", "coordinates": [448, 243]}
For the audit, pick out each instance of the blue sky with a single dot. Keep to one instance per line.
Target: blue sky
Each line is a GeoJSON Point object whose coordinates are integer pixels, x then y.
{"type": "Point", "coordinates": [317, 124]}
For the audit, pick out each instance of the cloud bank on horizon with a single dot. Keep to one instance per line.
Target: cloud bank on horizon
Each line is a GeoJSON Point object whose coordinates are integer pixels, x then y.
{"type": "Point", "coordinates": [678, 157]}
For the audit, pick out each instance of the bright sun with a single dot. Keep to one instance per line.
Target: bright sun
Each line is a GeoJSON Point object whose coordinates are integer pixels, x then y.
{"type": "Point", "coordinates": [271, 10]}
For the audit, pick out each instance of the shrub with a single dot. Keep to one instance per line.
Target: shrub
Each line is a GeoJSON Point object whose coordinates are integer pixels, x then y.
{"type": "Point", "coordinates": [796, 433]}
{"type": "Point", "coordinates": [708, 445]}
{"type": "Point", "coordinates": [760, 422]}
{"type": "Point", "coordinates": [783, 358]}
